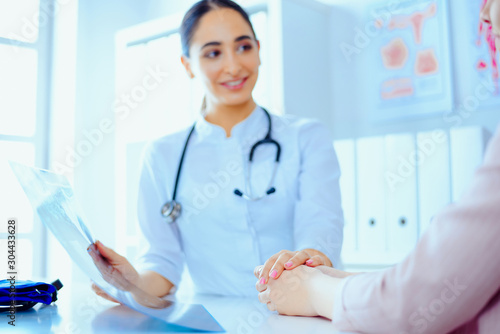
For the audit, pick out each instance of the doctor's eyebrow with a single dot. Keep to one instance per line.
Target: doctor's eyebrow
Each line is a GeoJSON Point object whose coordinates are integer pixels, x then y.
{"type": "Point", "coordinates": [237, 39]}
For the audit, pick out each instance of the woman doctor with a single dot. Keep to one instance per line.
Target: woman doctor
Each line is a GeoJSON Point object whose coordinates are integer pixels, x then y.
{"type": "Point", "coordinates": [222, 232]}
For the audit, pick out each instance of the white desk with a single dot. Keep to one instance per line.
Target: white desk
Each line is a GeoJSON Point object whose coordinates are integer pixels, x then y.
{"type": "Point", "coordinates": [79, 310]}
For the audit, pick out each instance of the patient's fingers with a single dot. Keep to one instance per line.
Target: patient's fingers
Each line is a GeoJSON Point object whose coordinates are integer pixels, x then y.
{"type": "Point", "coordinates": [257, 270]}
{"type": "Point", "coordinates": [271, 307]}
{"type": "Point", "coordinates": [264, 297]}
{"type": "Point", "coordinates": [260, 286]}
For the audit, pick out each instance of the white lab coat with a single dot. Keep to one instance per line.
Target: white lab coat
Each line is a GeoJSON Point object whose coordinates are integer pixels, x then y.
{"type": "Point", "coordinates": [220, 236]}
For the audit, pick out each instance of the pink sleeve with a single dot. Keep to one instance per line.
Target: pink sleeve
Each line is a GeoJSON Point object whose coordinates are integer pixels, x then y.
{"type": "Point", "coordinates": [446, 280]}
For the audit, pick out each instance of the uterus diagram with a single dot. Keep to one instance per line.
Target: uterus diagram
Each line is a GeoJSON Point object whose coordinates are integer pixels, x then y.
{"type": "Point", "coordinates": [397, 52]}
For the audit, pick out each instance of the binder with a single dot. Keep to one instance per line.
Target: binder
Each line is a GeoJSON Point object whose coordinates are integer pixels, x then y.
{"type": "Point", "coordinates": [401, 189]}
{"type": "Point", "coordinates": [467, 147]}
{"type": "Point", "coordinates": [434, 182]}
{"type": "Point", "coordinates": [370, 166]}
{"type": "Point", "coordinates": [346, 155]}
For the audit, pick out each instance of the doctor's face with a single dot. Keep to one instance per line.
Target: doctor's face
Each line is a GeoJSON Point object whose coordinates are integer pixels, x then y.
{"type": "Point", "coordinates": [491, 15]}
{"type": "Point", "coordinates": [224, 55]}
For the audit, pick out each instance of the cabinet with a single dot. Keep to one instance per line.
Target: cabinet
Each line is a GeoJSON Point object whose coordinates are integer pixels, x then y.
{"type": "Point", "coordinates": [401, 182]}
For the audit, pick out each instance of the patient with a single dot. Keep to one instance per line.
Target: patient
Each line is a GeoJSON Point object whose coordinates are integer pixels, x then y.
{"type": "Point", "coordinates": [449, 283]}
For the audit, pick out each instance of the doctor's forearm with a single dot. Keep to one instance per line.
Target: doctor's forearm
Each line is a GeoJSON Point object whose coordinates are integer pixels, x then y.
{"type": "Point", "coordinates": [154, 284]}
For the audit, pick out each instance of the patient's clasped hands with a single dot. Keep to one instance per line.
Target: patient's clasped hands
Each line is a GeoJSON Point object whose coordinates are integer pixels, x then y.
{"type": "Point", "coordinates": [305, 290]}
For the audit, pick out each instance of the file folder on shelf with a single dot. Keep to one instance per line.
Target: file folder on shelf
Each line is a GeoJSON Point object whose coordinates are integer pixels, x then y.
{"type": "Point", "coordinates": [345, 152]}
{"type": "Point", "coordinates": [401, 184]}
{"type": "Point", "coordinates": [467, 146]}
{"type": "Point", "coordinates": [371, 195]}
{"type": "Point", "coordinates": [434, 181]}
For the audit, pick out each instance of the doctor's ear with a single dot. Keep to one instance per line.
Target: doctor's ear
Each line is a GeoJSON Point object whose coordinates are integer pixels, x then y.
{"type": "Point", "coordinates": [258, 49]}
{"type": "Point", "coordinates": [187, 65]}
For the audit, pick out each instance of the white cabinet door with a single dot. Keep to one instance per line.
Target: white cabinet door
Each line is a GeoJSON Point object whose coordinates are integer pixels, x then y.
{"type": "Point", "coordinates": [346, 155]}
{"type": "Point", "coordinates": [434, 181]}
{"type": "Point", "coordinates": [467, 149]}
{"type": "Point", "coordinates": [370, 167]}
{"type": "Point", "coordinates": [401, 184]}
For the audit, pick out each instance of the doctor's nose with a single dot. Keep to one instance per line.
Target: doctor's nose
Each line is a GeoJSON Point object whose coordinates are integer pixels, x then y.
{"type": "Point", "coordinates": [232, 65]}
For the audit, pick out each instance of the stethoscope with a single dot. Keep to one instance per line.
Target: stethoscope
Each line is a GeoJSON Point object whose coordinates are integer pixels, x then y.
{"type": "Point", "coordinates": [172, 209]}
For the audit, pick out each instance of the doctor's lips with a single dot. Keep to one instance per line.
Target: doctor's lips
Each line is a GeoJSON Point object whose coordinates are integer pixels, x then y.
{"type": "Point", "coordinates": [235, 84]}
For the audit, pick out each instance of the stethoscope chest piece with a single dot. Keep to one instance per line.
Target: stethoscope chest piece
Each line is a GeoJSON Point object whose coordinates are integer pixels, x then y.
{"type": "Point", "coordinates": [171, 211]}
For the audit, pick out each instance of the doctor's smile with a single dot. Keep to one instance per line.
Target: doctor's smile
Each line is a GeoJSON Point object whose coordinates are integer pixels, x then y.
{"type": "Point", "coordinates": [235, 84]}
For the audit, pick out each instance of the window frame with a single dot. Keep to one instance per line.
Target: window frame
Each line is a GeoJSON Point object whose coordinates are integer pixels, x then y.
{"type": "Point", "coordinates": [41, 138]}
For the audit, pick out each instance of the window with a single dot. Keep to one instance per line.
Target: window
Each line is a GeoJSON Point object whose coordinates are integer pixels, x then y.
{"type": "Point", "coordinates": [25, 30]}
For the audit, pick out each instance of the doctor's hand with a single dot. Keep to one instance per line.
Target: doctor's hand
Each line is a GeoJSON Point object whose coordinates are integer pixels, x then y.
{"type": "Point", "coordinates": [288, 260]}
{"type": "Point", "coordinates": [304, 291]}
{"type": "Point", "coordinates": [110, 263]}
{"type": "Point", "coordinates": [117, 271]}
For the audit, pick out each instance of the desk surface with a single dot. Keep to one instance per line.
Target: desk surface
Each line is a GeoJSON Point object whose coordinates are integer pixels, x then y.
{"type": "Point", "coordinates": [79, 310]}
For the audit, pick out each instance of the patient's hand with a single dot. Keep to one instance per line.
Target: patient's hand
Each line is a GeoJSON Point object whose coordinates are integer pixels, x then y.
{"type": "Point", "coordinates": [303, 291]}
{"type": "Point", "coordinates": [333, 272]}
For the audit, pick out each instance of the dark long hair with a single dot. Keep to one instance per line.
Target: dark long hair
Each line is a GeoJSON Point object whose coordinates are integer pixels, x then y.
{"type": "Point", "coordinates": [196, 12]}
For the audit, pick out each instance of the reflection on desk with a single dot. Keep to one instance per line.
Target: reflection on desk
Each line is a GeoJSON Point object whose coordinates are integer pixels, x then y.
{"type": "Point", "coordinates": [120, 318]}
{"type": "Point", "coordinates": [79, 310]}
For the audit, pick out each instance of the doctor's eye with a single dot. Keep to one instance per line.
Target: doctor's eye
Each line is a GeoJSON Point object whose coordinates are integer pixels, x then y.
{"type": "Point", "coordinates": [245, 47]}
{"type": "Point", "coordinates": [212, 54]}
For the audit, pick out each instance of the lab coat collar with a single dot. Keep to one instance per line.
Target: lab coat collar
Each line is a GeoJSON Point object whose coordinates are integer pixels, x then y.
{"type": "Point", "coordinates": [251, 126]}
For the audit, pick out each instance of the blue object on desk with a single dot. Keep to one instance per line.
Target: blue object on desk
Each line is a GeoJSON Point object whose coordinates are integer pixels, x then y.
{"type": "Point", "coordinates": [26, 294]}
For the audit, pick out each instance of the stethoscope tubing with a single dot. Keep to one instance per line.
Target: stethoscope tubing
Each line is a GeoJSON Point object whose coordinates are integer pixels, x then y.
{"type": "Point", "coordinates": [172, 209]}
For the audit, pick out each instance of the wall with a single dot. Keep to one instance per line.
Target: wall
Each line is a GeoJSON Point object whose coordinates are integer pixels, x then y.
{"type": "Point", "coordinates": [351, 115]}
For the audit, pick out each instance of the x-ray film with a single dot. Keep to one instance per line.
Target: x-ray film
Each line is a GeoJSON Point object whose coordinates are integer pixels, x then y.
{"type": "Point", "coordinates": [52, 198]}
